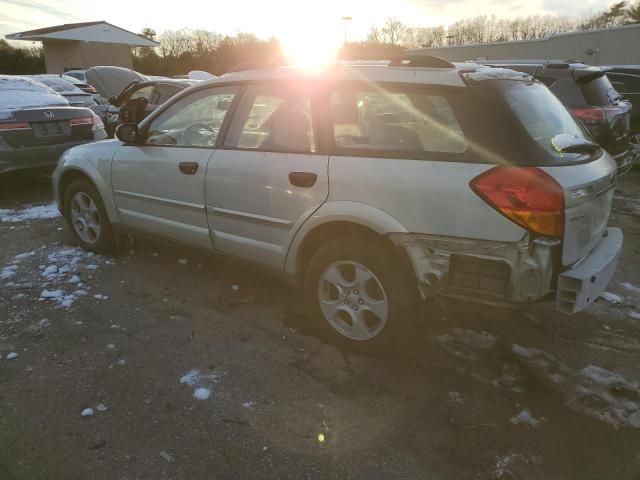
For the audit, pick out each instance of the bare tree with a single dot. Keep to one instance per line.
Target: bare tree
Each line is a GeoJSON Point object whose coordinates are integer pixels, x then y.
{"type": "Point", "coordinates": [394, 31]}
{"type": "Point", "coordinates": [633, 13]}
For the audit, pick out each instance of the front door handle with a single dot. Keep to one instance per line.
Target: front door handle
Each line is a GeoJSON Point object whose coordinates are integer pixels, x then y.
{"type": "Point", "coordinates": [303, 179]}
{"type": "Point", "coordinates": [188, 168]}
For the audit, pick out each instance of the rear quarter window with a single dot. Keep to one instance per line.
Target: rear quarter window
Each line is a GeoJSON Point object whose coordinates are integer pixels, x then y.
{"type": "Point", "coordinates": [399, 121]}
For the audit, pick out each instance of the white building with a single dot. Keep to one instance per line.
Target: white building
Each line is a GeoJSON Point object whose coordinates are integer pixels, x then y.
{"type": "Point", "coordinates": [82, 45]}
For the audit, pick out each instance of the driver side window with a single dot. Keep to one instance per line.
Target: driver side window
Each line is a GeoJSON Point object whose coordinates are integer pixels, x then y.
{"type": "Point", "coordinates": [193, 121]}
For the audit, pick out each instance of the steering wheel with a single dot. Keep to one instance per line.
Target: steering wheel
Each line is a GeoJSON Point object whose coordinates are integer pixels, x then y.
{"type": "Point", "coordinates": [194, 129]}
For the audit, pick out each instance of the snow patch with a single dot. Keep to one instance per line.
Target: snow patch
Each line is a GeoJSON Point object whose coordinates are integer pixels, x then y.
{"type": "Point", "coordinates": [11, 356]}
{"type": "Point", "coordinates": [87, 412]}
{"type": "Point", "coordinates": [37, 212]}
{"type": "Point", "coordinates": [634, 315]}
{"type": "Point", "coordinates": [195, 377]}
{"type": "Point", "coordinates": [525, 418]}
{"type": "Point", "coordinates": [201, 393]}
{"type": "Point", "coordinates": [8, 272]}
{"type": "Point", "coordinates": [249, 404]}
{"type": "Point", "coordinates": [611, 297]}
{"type": "Point", "coordinates": [630, 287]}
{"type": "Point", "coordinates": [101, 407]}
{"type": "Point", "coordinates": [52, 294]}
{"type": "Point", "coordinates": [592, 391]}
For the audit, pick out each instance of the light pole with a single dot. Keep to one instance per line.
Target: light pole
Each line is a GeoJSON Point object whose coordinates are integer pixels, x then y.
{"type": "Point", "coordinates": [345, 20]}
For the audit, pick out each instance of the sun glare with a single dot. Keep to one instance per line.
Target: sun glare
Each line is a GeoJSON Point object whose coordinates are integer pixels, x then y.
{"type": "Point", "coordinates": [310, 51]}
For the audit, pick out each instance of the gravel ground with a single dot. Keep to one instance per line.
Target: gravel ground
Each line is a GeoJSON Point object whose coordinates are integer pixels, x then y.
{"type": "Point", "coordinates": [195, 367]}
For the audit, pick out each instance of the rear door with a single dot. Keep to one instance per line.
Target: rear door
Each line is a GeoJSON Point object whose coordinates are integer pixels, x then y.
{"type": "Point", "coordinates": [269, 176]}
{"type": "Point", "coordinates": [159, 184]}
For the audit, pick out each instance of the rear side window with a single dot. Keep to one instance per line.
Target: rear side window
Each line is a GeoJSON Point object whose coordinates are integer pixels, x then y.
{"type": "Point", "coordinates": [273, 118]}
{"type": "Point", "coordinates": [599, 91]}
{"type": "Point", "coordinates": [404, 120]}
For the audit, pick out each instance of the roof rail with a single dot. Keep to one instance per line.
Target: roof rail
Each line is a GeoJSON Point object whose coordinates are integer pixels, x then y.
{"type": "Point", "coordinates": [422, 61]}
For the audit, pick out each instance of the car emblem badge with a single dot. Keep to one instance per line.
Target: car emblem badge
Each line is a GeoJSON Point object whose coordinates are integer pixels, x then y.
{"type": "Point", "coordinates": [48, 115]}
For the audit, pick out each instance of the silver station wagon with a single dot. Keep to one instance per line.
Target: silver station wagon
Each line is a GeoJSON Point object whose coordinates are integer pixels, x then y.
{"type": "Point", "coordinates": [370, 186]}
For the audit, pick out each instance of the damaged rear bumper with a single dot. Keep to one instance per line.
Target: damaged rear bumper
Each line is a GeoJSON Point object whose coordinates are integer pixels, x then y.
{"type": "Point", "coordinates": [509, 272]}
{"type": "Point", "coordinates": [585, 281]}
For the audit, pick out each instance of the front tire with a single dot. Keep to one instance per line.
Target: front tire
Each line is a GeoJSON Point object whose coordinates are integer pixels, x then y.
{"type": "Point", "coordinates": [87, 218]}
{"type": "Point", "coordinates": [361, 294]}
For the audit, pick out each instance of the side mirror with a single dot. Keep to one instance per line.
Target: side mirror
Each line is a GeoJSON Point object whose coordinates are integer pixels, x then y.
{"type": "Point", "coordinates": [127, 132]}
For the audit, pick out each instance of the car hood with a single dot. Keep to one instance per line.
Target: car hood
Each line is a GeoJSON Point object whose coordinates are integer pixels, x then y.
{"type": "Point", "coordinates": [110, 81]}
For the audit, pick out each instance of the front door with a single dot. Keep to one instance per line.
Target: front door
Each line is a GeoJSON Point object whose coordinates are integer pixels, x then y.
{"type": "Point", "coordinates": [269, 175]}
{"type": "Point", "coordinates": [159, 184]}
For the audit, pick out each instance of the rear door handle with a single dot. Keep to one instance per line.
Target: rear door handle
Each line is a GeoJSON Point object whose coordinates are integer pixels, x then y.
{"type": "Point", "coordinates": [188, 168]}
{"type": "Point", "coordinates": [302, 179]}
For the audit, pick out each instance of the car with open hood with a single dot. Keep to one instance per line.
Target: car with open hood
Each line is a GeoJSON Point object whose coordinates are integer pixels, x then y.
{"type": "Point", "coordinates": [132, 96]}
{"type": "Point", "coordinates": [368, 186]}
{"type": "Point", "coordinates": [37, 124]}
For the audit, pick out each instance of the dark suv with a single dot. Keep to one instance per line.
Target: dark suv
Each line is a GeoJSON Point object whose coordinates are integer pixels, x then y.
{"type": "Point", "coordinates": [626, 80]}
{"type": "Point", "coordinates": [588, 93]}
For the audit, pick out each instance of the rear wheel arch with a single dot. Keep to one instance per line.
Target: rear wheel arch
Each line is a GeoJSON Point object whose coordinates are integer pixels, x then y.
{"type": "Point", "coordinates": [345, 231]}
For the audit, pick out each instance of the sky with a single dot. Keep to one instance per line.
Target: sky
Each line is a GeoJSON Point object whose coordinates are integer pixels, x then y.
{"type": "Point", "coordinates": [285, 19]}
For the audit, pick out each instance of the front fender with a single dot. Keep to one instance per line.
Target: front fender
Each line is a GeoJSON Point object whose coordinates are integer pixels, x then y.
{"type": "Point", "coordinates": [94, 161]}
{"type": "Point", "coordinates": [342, 211]}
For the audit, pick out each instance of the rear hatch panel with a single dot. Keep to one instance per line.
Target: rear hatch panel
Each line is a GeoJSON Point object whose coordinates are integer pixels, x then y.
{"type": "Point", "coordinates": [588, 192]}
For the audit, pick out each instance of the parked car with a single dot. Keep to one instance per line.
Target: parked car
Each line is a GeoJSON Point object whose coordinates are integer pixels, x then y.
{"type": "Point", "coordinates": [588, 93]}
{"type": "Point", "coordinates": [132, 96]}
{"type": "Point", "coordinates": [85, 87]}
{"type": "Point", "coordinates": [79, 74]}
{"type": "Point", "coordinates": [73, 94]}
{"type": "Point", "coordinates": [369, 186]}
{"type": "Point", "coordinates": [626, 80]}
{"type": "Point", "coordinates": [37, 124]}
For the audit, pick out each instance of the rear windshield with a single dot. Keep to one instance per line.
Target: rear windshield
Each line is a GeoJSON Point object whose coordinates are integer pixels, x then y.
{"type": "Point", "coordinates": [599, 91]}
{"type": "Point", "coordinates": [527, 118]}
{"type": "Point", "coordinates": [541, 114]}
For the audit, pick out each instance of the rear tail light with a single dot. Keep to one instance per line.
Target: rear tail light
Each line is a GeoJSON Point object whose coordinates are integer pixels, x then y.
{"type": "Point", "coordinates": [93, 120]}
{"type": "Point", "coordinates": [96, 121]}
{"type": "Point", "coordinates": [81, 121]}
{"type": "Point", "coordinates": [6, 127]}
{"type": "Point", "coordinates": [591, 115]}
{"type": "Point", "coordinates": [525, 195]}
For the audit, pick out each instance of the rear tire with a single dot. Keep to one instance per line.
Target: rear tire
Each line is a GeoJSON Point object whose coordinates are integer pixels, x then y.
{"type": "Point", "coordinates": [361, 295]}
{"type": "Point", "coordinates": [87, 218]}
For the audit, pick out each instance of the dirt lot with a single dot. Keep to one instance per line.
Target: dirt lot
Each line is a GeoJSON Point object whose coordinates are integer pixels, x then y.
{"type": "Point", "coordinates": [478, 392]}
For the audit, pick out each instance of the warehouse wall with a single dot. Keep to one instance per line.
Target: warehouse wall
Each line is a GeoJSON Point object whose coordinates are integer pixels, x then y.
{"type": "Point", "coordinates": [66, 55]}
{"type": "Point", "coordinates": [596, 47]}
